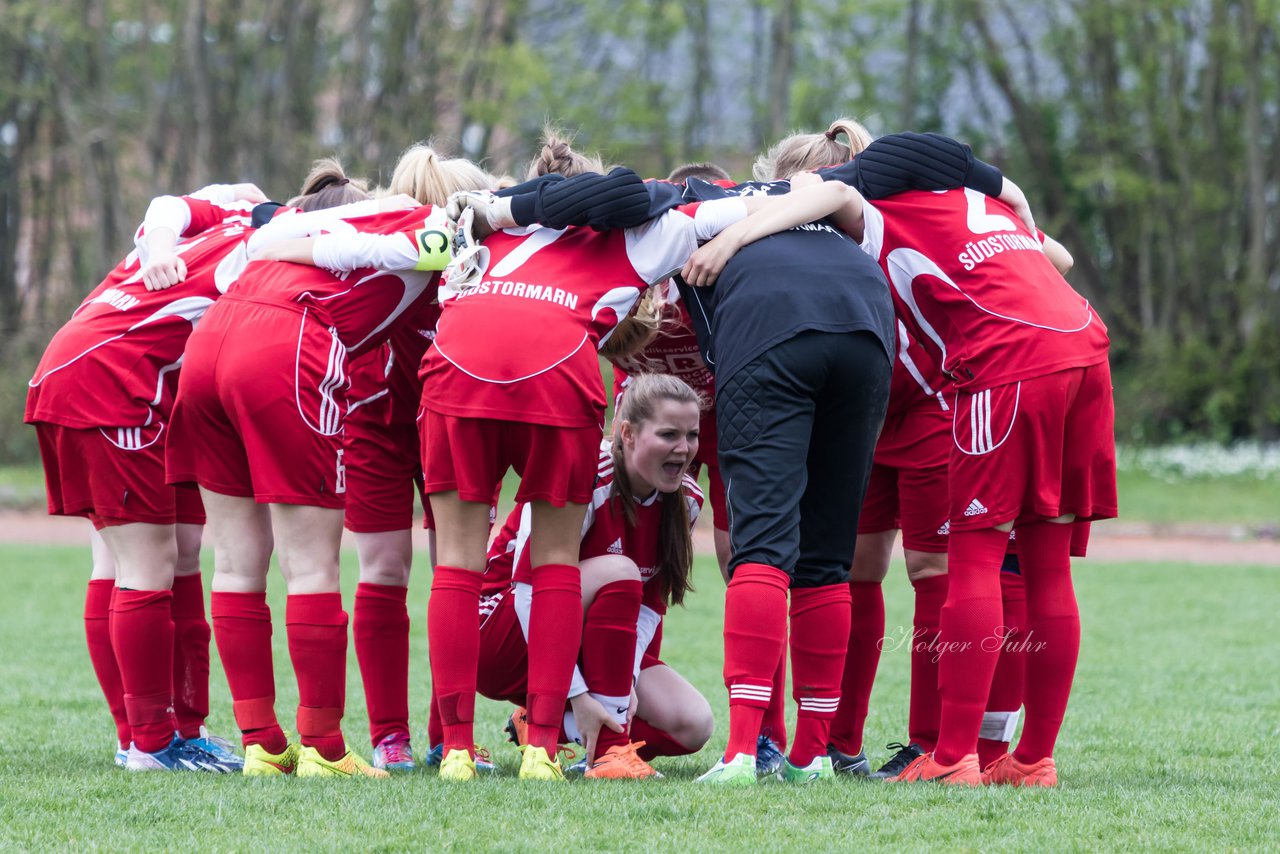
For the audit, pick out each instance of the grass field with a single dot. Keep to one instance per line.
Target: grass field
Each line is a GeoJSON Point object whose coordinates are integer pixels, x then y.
{"type": "Point", "coordinates": [1172, 742]}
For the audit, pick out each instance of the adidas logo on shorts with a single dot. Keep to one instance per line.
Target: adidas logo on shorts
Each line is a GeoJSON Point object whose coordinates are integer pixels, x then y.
{"type": "Point", "coordinates": [975, 508]}
{"type": "Point", "coordinates": [616, 548]}
{"type": "Point", "coordinates": [945, 530]}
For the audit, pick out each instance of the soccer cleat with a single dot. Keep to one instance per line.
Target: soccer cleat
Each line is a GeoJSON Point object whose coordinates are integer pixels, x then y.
{"type": "Point", "coordinates": [769, 756]}
{"type": "Point", "coordinates": [394, 753]}
{"type": "Point", "coordinates": [219, 752]}
{"type": "Point", "coordinates": [179, 755]}
{"type": "Point", "coordinates": [924, 769]}
{"type": "Point", "coordinates": [122, 755]}
{"type": "Point", "coordinates": [1007, 771]}
{"type": "Point", "coordinates": [312, 764]}
{"type": "Point", "coordinates": [484, 764]}
{"type": "Point", "coordinates": [621, 762]}
{"type": "Point", "coordinates": [434, 756]}
{"type": "Point", "coordinates": [458, 766]}
{"type": "Point", "coordinates": [536, 765]}
{"type": "Point", "coordinates": [843, 763]}
{"type": "Point", "coordinates": [738, 771]}
{"type": "Point", "coordinates": [259, 763]}
{"type": "Point", "coordinates": [518, 727]}
{"type": "Point", "coordinates": [819, 769]}
{"type": "Point", "coordinates": [907, 753]}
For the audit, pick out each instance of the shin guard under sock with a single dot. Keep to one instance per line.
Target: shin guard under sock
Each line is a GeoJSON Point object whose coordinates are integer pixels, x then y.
{"type": "Point", "coordinates": [555, 637]}
{"type": "Point", "coordinates": [381, 629]}
{"type": "Point", "coordinates": [142, 636]}
{"type": "Point", "coordinates": [819, 637]}
{"type": "Point", "coordinates": [926, 705]}
{"type": "Point", "coordinates": [967, 653]}
{"type": "Point", "coordinates": [242, 630]}
{"type": "Point", "coordinates": [190, 655]}
{"type": "Point", "coordinates": [862, 657]}
{"type": "Point", "coordinates": [97, 632]}
{"type": "Point", "coordinates": [608, 654]}
{"type": "Point", "coordinates": [755, 637]}
{"type": "Point", "coordinates": [317, 631]}
{"type": "Point", "coordinates": [453, 636]}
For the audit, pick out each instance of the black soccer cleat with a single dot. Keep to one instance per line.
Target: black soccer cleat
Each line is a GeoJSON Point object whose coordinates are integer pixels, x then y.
{"type": "Point", "coordinates": [843, 763]}
{"type": "Point", "coordinates": [907, 753]}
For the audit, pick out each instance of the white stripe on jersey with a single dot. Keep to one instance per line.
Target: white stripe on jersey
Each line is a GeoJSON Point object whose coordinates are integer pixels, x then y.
{"type": "Point", "coordinates": [981, 439]}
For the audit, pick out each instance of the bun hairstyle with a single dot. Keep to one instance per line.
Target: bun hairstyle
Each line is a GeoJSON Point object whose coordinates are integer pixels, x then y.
{"type": "Point", "coordinates": [702, 171]}
{"type": "Point", "coordinates": [639, 404]}
{"type": "Point", "coordinates": [328, 186]}
{"type": "Point", "coordinates": [557, 157]}
{"type": "Point", "coordinates": [804, 152]}
{"type": "Point", "coordinates": [431, 178]}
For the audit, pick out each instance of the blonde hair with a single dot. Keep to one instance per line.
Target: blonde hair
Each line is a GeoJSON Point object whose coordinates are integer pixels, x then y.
{"type": "Point", "coordinates": [558, 157]}
{"type": "Point", "coordinates": [804, 152]}
{"type": "Point", "coordinates": [327, 186]}
{"type": "Point", "coordinates": [638, 329]}
{"type": "Point", "coordinates": [639, 404]}
{"type": "Point", "coordinates": [431, 179]}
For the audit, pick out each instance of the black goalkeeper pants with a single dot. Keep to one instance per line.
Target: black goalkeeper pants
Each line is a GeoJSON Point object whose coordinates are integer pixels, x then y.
{"type": "Point", "coordinates": [797, 429]}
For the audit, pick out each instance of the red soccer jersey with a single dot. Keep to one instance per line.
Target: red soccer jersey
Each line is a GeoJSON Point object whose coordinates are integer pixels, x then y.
{"type": "Point", "coordinates": [917, 379]}
{"type": "Point", "coordinates": [370, 275]}
{"type": "Point", "coordinates": [392, 369]}
{"type": "Point", "coordinates": [115, 362]}
{"type": "Point", "coordinates": [604, 531]}
{"type": "Point", "coordinates": [674, 351]}
{"type": "Point", "coordinates": [521, 345]}
{"type": "Point", "coordinates": [969, 280]}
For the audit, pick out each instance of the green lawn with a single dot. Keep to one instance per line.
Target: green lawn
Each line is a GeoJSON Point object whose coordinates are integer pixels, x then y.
{"type": "Point", "coordinates": [1171, 743]}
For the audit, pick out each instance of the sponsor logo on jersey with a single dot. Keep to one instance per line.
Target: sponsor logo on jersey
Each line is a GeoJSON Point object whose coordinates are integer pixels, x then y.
{"type": "Point", "coordinates": [546, 293]}
{"type": "Point", "coordinates": [945, 530]}
{"type": "Point", "coordinates": [977, 251]}
{"type": "Point", "coordinates": [975, 508]}
{"type": "Point", "coordinates": [117, 299]}
{"type": "Point", "coordinates": [616, 548]}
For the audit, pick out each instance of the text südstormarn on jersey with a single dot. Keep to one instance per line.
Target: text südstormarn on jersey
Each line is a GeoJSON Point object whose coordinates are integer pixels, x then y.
{"type": "Point", "coordinates": [546, 293]}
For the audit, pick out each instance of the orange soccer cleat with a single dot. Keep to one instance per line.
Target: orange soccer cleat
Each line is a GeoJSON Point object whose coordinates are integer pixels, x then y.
{"type": "Point", "coordinates": [518, 727]}
{"type": "Point", "coordinates": [1007, 771]}
{"type": "Point", "coordinates": [621, 763]}
{"type": "Point", "coordinates": [925, 770]}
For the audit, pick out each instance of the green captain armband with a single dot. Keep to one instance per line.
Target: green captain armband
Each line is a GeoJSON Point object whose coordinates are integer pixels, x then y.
{"type": "Point", "coordinates": [433, 249]}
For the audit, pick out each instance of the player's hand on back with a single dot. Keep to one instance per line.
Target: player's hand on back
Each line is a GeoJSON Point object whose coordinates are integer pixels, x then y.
{"type": "Point", "coordinates": [164, 271]}
{"type": "Point", "coordinates": [249, 193]}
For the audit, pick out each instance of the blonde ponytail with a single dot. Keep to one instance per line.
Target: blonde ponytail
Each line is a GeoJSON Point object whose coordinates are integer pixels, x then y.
{"type": "Point", "coordinates": [635, 331]}
{"type": "Point", "coordinates": [431, 179]}
{"type": "Point", "coordinates": [804, 152]}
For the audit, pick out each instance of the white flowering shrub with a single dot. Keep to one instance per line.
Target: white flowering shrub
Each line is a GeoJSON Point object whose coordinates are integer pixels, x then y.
{"type": "Point", "coordinates": [1205, 459]}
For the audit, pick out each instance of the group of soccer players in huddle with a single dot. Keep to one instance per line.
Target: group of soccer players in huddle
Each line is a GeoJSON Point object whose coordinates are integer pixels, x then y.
{"type": "Point", "coordinates": [871, 336]}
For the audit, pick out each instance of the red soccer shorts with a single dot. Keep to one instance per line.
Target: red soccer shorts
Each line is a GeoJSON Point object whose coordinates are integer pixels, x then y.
{"type": "Point", "coordinates": [113, 476]}
{"type": "Point", "coordinates": [470, 456]}
{"type": "Point", "coordinates": [504, 652]}
{"type": "Point", "coordinates": [383, 469]}
{"type": "Point", "coordinates": [1036, 449]}
{"type": "Point", "coordinates": [908, 484]}
{"type": "Point", "coordinates": [260, 406]}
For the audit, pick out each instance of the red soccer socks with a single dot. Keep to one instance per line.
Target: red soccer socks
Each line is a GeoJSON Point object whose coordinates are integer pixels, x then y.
{"type": "Point", "coordinates": [190, 655]}
{"type": "Point", "coordinates": [755, 637]}
{"type": "Point", "coordinates": [555, 636]}
{"type": "Point", "coordinates": [242, 629]}
{"type": "Point", "coordinates": [381, 629]}
{"type": "Point", "coordinates": [967, 657]}
{"type": "Point", "coordinates": [1001, 717]}
{"type": "Point", "coordinates": [453, 637]}
{"type": "Point", "coordinates": [97, 632]}
{"type": "Point", "coordinates": [1053, 635]}
{"type": "Point", "coordinates": [819, 637]}
{"type": "Point", "coordinates": [608, 654]}
{"type": "Point", "coordinates": [862, 657]}
{"type": "Point", "coordinates": [317, 631]}
{"type": "Point", "coordinates": [922, 723]}
{"type": "Point", "coordinates": [142, 636]}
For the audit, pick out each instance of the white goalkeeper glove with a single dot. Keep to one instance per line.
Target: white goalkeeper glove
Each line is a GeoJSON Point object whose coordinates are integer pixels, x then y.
{"type": "Point", "coordinates": [493, 213]}
{"type": "Point", "coordinates": [470, 258]}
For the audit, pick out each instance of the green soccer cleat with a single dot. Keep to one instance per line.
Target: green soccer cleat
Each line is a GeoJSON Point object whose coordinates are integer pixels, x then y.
{"type": "Point", "coordinates": [738, 771]}
{"type": "Point", "coordinates": [458, 766]}
{"type": "Point", "coordinates": [259, 763]}
{"type": "Point", "coordinates": [536, 765]}
{"type": "Point", "coordinates": [817, 770]}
